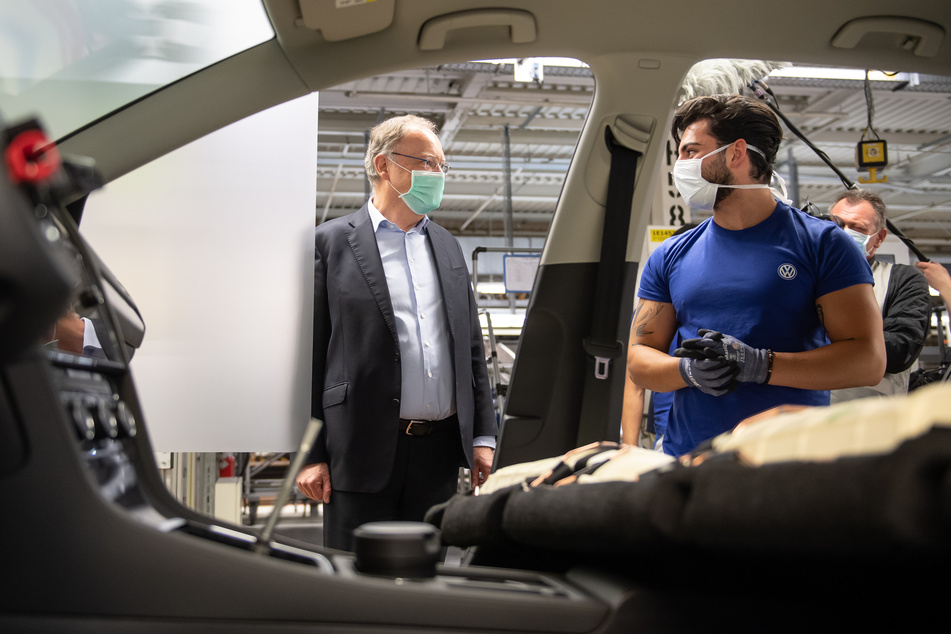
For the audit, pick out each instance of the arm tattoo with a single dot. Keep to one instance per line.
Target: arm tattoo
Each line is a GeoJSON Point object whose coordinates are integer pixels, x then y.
{"type": "Point", "coordinates": [641, 320]}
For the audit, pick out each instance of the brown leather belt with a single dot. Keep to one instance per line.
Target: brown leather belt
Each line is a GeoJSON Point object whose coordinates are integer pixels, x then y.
{"type": "Point", "coordinates": [425, 427]}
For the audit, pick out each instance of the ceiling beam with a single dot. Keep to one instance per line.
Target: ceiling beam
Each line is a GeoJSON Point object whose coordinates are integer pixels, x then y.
{"type": "Point", "coordinates": [472, 86]}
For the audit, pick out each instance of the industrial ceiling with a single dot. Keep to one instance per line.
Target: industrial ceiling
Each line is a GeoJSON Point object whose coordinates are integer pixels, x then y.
{"type": "Point", "coordinates": [477, 105]}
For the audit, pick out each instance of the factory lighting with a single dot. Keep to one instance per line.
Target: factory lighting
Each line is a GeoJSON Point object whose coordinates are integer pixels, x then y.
{"type": "Point", "coordinates": [853, 74]}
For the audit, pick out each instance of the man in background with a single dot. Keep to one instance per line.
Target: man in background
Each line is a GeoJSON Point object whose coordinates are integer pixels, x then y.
{"type": "Point", "coordinates": [900, 290]}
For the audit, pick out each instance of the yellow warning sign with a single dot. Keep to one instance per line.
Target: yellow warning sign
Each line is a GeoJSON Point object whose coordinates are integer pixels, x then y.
{"type": "Point", "coordinates": [659, 235]}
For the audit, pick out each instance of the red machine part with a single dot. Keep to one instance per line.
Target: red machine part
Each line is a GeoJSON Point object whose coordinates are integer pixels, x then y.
{"type": "Point", "coordinates": [31, 157]}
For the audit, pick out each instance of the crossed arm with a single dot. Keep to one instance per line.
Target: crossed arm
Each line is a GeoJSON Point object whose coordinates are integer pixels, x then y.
{"type": "Point", "coordinates": [855, 356]}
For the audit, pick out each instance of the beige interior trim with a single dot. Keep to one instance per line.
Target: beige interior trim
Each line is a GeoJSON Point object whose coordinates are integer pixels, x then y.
{"type": "Point", "coordinates": [432, 36]}
{"type": "Point", "coordinates": [338, 21]}
{"type": "Point", "coordinates": [924, 38]}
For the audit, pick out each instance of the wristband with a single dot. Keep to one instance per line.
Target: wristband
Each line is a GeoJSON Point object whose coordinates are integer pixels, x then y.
{"type": "Point", "coordinates": [769, 366]}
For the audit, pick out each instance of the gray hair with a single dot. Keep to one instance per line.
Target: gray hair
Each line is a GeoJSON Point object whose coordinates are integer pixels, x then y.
{"type": "Point", "coordinates": [385, 136]}
{"type": "Point", "coordinates": [856, 196]}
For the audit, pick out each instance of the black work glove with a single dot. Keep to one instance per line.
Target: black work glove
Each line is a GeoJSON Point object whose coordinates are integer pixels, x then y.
{"type": "Point", "coordinates": [715, 377]}
{"type": "Point", "coordinates": [753, 363]}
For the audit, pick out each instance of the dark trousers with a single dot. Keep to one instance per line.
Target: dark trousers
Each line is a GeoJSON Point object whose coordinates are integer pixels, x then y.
{"type": "Point", "coordinates": [425, 473]}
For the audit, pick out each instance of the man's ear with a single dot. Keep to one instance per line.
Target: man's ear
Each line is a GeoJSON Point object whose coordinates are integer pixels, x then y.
{"type": "Point", "coordinates": [737, 152]}
{"type": "Point", "coordinates": [880, 236]}
{"type": "Point", "coordinates": [738, 156]}
{"type": "Point", "coordinates": [379, 162]}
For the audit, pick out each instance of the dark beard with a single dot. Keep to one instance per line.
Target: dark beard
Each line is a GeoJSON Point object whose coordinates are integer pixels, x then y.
{"type": "Point", "coordinates": [721, 175]}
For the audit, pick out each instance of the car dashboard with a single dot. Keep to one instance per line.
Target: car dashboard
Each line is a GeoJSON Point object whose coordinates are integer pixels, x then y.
{"type": "Point", "coordinates": [96, 541]}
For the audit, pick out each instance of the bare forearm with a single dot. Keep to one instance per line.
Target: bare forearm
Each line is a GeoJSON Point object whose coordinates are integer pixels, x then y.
{"type": "Point", "coordinates": [632, 412]}
{"type": "Point", "coordinates": [838, 365]}
{"type": "Point", "coordinates": [654, 370]}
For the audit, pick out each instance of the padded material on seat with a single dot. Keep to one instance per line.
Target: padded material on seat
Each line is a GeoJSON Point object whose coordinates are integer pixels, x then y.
{"type": "Point", "coordinates": [883, 507]}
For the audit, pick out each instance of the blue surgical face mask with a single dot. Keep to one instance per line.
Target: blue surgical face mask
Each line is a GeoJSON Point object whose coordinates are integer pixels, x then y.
{"type": "Point", "coordinates": [425, 192]}
{"type": "Point", "coordinates": [861, 240]}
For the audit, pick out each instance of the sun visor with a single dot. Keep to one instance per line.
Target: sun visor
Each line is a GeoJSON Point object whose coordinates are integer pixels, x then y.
{"type": "Point", "coordinates": [346, 19]}
{"type": "Point", "coordinates": [921, 37]}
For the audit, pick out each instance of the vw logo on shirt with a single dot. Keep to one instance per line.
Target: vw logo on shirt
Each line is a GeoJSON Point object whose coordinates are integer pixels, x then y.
{"type": "Point", "coordinates": [786, 271]}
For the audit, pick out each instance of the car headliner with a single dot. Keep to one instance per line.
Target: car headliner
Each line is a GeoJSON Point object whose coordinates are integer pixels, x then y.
{"type": "Point", "coordinates": [638, 53]}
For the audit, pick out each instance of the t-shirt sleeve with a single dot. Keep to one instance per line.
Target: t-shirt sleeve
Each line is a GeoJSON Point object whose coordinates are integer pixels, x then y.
{"type": "Point", "coordinates": [840, 263]}
{"type": "Point", "coordinates": [654, 283]}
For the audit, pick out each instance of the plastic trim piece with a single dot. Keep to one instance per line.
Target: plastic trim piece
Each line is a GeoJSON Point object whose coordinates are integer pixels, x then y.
{"type": "Point", "coordinates": [338, 21]}
{"type": "Point", "coordinates": [522, 30]}
{"type": "Point", "coordinates": [926, 37]}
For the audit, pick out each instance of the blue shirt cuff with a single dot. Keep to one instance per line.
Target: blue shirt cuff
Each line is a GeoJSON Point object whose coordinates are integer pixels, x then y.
{"type": "Point", "coordinates": [484, 441]}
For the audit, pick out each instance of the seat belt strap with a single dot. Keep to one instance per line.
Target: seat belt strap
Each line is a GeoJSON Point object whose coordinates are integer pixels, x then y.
{"type": "Point", "coordinates": [603, 344]}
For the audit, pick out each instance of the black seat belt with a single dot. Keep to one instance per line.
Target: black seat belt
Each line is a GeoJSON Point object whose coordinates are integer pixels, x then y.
{"type": "Point", "coordinates": [603, 346]}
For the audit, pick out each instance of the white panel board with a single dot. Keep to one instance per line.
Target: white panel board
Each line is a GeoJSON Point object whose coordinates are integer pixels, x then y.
{"type": "Point", "coordinates": [215, 243]}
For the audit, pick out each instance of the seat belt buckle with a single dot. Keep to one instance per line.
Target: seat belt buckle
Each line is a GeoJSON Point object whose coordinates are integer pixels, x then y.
{"type": "Point", "coordinates": [603, 355]}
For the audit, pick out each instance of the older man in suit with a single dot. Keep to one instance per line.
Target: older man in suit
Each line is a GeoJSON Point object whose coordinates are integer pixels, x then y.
{"type": "Point", "coordinates": [399, 373]}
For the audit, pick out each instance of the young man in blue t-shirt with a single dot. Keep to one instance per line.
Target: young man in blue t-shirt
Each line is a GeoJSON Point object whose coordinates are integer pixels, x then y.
{"type": "Point", "coordinates": [768, 305]}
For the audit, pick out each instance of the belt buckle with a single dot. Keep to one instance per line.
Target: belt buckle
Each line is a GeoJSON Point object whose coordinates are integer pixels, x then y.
{"type": "Point", "coordinates": [409, 427]}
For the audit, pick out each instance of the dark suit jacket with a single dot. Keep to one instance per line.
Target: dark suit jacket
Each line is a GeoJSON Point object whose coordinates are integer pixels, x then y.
{"type": "Point", "coordinates": [356, 365]}
{"type": "Point", "coordinates": [906, 313]}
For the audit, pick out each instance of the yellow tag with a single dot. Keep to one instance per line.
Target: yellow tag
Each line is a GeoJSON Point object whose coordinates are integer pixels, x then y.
{"type": "Point", "coordinates": [659, 235]}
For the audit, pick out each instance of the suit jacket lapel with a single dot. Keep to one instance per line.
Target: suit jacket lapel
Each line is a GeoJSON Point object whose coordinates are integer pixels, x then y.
{"type": "Point", "coordinates": [367, 253]}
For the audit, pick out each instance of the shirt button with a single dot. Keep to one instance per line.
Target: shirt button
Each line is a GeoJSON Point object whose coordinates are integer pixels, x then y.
{"type": "Point", "coordinates": [430, 374]}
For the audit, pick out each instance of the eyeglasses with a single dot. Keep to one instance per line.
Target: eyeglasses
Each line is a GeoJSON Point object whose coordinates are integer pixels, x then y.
{"type": "Point", "coordinates": [430, 164]}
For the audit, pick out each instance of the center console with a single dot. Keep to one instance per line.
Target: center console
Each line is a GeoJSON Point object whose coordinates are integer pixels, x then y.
{"type": "Point", "coordinates": [98, 543]}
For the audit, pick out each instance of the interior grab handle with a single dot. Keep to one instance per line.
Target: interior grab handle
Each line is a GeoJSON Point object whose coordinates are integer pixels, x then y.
{"type": "Point", "coordinates": [432, 37]}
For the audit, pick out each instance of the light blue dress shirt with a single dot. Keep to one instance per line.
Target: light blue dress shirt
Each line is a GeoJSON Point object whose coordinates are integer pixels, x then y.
{"type": "Point", "coordinates": [428, 391]}
{"type": "Point", "coordinates": [428, 378]}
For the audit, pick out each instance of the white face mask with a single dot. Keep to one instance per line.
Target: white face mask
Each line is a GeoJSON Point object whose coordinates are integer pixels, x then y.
{"type": "Point", "coordinates": [861, 240]}
{"type": "Point", "coordinates": [700, 193]}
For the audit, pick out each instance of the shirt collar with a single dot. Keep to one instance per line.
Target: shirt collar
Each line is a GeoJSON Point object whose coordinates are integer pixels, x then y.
{"type": "Point", "coordinates": [376, 217]}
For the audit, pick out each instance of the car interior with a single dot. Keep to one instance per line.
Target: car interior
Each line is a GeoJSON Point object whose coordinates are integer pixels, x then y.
{"type": "Point", "coordinates": [97, 543]}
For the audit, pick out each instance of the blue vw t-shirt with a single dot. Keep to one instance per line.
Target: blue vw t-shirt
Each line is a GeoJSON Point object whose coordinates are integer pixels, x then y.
{"type": "Point", "coordinates": [759, 285]}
